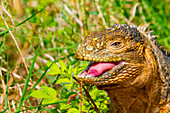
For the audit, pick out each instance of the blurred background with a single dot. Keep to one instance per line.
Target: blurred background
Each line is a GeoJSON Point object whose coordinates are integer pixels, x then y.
{"type": "Point", "coordinates": [54, 28]}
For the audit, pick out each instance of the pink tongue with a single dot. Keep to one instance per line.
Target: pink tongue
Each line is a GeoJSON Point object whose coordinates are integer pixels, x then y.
{"type": "Point", "coordinates": [97, 69]}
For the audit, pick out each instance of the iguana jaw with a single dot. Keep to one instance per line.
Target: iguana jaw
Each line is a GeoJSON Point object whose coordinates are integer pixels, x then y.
{"type": "Point", "coordinates": [96, 69]}
{"type": "Point", "coordinates": [103, 74]}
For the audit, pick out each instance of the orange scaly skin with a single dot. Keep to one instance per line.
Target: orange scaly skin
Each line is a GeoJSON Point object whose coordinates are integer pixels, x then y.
{"type": "Point", "coordinates": [139, 83]}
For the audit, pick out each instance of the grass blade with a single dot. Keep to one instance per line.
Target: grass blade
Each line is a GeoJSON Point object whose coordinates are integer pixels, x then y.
{"type": "Point", "coordinates": [27, 80]}
{"type": "Point", "coordinates": [6, 31]}
{"type": "Point", "coordinates": [6, 95]}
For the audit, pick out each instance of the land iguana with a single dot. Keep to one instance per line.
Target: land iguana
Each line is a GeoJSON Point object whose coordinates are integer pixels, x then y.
{"type": "Point", "coordinates": [127, 63]}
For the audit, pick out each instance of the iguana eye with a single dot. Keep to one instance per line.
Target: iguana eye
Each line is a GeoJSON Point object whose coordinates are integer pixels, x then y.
{"type": "Point", "coordinates": [116, 44]}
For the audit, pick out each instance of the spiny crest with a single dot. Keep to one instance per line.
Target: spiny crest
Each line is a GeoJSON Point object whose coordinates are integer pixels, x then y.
{"type": "Point", "coordinates": [128, 31]}
{"type": "Point", "coordinates": [163, 68]}
{"type": "Point", "coordinates": [152, 38]}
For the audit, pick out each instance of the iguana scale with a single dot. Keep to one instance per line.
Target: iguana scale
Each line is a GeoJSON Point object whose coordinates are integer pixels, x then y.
{"type": "Point", "coordinates": [127, 63]}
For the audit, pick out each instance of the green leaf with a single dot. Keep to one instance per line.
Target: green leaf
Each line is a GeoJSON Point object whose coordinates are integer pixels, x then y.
{"type": "Point", "coordinates": [50, 91]}
{"type": "Point", "coordinates": [94, 91]}
{"type": "Point", "coordinates": [54, 67]}
{"type": "Point", "coordinates": [49, 100]}
{"type": "Point", "coordinates": [52, 72]}
{"type": "Point", "coordinates": [73, 110]}
{"type": "Point", "coordinates": [66, 82]}
{"type": "Point", "coordinates": [53, 111]}
{"type": "Point", "coordinates": [64, 106]}
{"type": "Point", "coordinates": [75, 71]}
{"type": "Point", "coordinates": [62, 65]}
{"type": "Point", "coordinates": [39, 94]}
{"type": "Point", "coordinates": [85, 108]}
{"type": "Point", "coordinates": [69, 71]}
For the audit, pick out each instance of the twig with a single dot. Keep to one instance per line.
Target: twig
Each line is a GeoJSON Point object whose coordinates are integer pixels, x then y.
{"type": "Point", "coordinates": [88, 95]}
{"type": "Point", "coordinates": [81, 95]}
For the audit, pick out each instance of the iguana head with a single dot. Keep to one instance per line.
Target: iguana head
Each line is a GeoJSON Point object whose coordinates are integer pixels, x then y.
{"type": "Point", "coordinates": [127, 63]}
{"type": "Point", "coordinates": [116, 55]}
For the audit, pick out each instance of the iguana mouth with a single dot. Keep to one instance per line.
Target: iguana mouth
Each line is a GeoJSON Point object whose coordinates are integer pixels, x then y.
{"type": "Point", "coordinates": [109, 73]}
{"type": "Point", "coordinates": [96, 69]}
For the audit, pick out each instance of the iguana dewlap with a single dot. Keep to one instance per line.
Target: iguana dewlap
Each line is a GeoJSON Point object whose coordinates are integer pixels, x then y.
{"type": "Point", "coordinates": [129, 66]}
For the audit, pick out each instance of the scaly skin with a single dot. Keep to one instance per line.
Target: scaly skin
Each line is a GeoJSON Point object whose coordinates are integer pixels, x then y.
{"type": "Point", "coordinates": [139, 83]}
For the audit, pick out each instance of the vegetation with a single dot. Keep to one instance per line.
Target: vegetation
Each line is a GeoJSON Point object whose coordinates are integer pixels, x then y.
{"type": "Point", "coordinates": [38, 39]}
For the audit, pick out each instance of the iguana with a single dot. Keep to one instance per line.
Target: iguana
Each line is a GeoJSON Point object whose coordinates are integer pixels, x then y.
{"type": "Point", "coordinates": [127, 63]}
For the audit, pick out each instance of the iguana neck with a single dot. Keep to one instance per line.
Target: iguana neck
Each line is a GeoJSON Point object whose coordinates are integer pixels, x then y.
{"type": "Point", "coordinates": [135, 100]}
